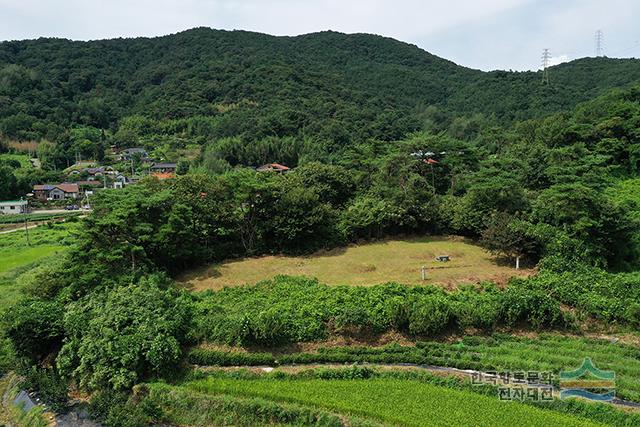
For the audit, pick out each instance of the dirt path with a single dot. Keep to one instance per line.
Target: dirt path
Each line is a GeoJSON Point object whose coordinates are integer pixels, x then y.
{"type": "Point", "coordinates": [18, 229]}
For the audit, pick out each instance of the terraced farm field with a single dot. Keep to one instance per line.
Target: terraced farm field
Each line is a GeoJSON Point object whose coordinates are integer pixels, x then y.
{"type": "Point", "coordinates": [368, 264]}
{"type": "Point", "coordinates": [389, 401]}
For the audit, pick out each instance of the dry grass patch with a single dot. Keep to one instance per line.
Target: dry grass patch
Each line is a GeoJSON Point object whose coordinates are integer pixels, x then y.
{"type": "Point", "coordinates": [368, 264]}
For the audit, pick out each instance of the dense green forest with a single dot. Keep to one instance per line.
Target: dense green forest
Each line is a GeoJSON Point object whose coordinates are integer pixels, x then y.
{"type": "Point", "coordinates": [327, 90]}
{"type": "Point", "coordinates": [386, 140]}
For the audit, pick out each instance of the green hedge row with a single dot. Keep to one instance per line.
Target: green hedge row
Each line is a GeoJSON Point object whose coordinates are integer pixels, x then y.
{"type": "Point", "coordinates": [296, 309]}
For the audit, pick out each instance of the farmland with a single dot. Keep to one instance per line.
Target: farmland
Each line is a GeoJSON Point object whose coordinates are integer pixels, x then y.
{"type": "Point", "coordinates": [44, 241]}
{"type": "Point", "coordinates": [385, 400]}
{"type": "Point", "coordinates": [498, 352]}
{"type": "Point", "coordinates": [367, 264]}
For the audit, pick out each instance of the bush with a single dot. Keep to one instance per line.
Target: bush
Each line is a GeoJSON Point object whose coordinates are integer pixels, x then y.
{"type": "Point", "coordinates": [531, 306]}
{"type": "Point", "coordinates": [50, 386]}
{"type": "Point", "coordinates": [119, 336]}
{"type": "Point", "coordinates": [118, 409]}
{"type": "Point", "coordinates": [35, 327]}
{"type": "Point", "coordinates": [476, 309]}
{"type": "Point", "coordinates": [429, 315]}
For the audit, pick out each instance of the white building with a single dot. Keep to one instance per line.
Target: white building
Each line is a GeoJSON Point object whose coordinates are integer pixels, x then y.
{"type": "Point", "coordinates": [13, 207]}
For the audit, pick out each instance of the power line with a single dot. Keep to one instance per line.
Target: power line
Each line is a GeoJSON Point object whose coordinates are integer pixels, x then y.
{"type": "Point", "coordinates": [546, 60]}
{"type": "Point", "coordinates": [599, 43]}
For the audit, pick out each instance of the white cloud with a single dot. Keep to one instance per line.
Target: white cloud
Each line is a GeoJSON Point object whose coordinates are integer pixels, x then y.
{"type": "Point", "coordinates": [555, 60]}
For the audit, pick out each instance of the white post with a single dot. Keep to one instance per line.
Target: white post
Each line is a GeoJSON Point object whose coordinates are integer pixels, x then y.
{"type": "Point", "coordinates": [424, 272]}
{"type": "Point", "coordinates": [518, 262]}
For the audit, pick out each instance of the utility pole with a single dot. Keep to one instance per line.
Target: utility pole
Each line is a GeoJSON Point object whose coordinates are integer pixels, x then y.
{"type": "Point", "coordinates": [546, 59]}
{"type": "Point", "coordinates": [26, 222]}
{"type": "Point", "coordinates": [599, 43]}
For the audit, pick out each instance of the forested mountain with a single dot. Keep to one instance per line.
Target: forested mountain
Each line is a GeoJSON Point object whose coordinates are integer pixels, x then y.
{"type": "Point", "coordinates": [332, 87]}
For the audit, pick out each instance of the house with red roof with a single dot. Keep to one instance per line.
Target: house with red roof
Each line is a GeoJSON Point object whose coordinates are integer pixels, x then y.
{"type": "Point", "coordinates": [273, 167]}
{"type": "Point", "coordinates": [65, 190]}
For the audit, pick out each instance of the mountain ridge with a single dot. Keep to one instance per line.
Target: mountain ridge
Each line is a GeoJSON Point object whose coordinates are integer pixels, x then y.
{"type": "Point", "coordinates": [312, 82]}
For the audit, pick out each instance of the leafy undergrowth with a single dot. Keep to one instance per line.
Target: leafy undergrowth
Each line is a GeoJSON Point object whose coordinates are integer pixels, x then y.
{"type": "Point", "coordinates": [551, 353]}
{"type": "Point", "coordinates": [392, 401]}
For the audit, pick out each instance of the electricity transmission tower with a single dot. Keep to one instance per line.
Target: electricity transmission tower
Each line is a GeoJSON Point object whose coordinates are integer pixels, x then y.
{"type": "Point", "coordinates": [546, 59]}
{"type": "Point", "coordinates": [599, 43]}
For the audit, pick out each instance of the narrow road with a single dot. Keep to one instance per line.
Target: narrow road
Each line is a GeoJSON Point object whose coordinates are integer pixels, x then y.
{"type": "Point", "coordinates": [18, 229]}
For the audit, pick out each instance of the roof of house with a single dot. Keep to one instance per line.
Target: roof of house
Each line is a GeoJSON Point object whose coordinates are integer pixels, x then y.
{"type": "Point", "coordinates": [134, 150]}
{"type": "Point", "coordinates": [94, 170]}
{"type": "Point", "coordinates": [164, 165]}
{"type": "Point", "coordinates": [43, 187]}
{"type": "Point", "coordinates": [92, 183]}
{"type": "Point", "coordinates": [277, 166]}
{"type": "Point", "coordinates": [67, 187]}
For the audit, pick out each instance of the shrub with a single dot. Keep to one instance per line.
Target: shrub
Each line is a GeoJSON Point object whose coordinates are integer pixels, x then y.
{"type": "Point", "coordinates": [531, 306]}
{"type": "Point", "coordinates": [51, 387]}
{"type": "Point", "coordinates": [117, 337]}
{"type": "Point", "coordinates": [429, 315]}
{"type": "Point", "coordinates": [35, 327]}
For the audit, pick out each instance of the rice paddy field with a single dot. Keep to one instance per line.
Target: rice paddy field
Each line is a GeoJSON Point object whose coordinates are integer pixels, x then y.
{"type": "Point", "coordinates": [384, 401]}
{"type": "Point", "coordinates": [367, 264]}
{"type": "Point", "coordinates": [500, 353]}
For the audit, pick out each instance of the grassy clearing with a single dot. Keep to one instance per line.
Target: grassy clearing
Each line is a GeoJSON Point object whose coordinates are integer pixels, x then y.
{"type": "Point", "coordinates": [388, 261]}
{"type": "Point", "coordinates": [22, 158]}
{"type": "Point", "coordinates": [45, 241]}
{"type": "Point", "coordinates": [391, 401]}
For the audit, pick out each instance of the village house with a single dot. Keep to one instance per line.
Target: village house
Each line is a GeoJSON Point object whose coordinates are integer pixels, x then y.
{"type": "Point", "coordinates": [273, 167]}
{"type": "Point", "coordinates": [13, 207]}
{"type": "Point", "coordinates": [66, 190]}
{"type": "Point", "coordinates": [128, 153]}
{"type": "Point", "coordinates": [164, 168]}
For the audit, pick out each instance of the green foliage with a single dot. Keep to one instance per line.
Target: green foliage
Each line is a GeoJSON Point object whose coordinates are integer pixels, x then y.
{"type": "Point", "coordinates": [290, 309]}
{"type": "Point", "coordinates": [35, 327]}
{"type": "Point", "coordinates": [429, 315]}
{"type": "Point", "coordinates": [116, 337]}
{"type": "Point", "coordinates": [50, 386]}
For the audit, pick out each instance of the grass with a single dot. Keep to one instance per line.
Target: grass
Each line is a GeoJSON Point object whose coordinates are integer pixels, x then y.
{"type": "Point", "coordinates": [12, 415]}
{"type": "Point", "coordinates": [22, 158]}
{"type": "Point", "coordinates": [45, 241]}
{"type": "Point", "coordinates": [389, 400]}
{"type": "Point", "coordinates": [16, 258]}
{"type": "Point", "coordinates": [184, 407]}
{"type": "Point", "coordinates": [19, 218]}
{"type": "Point", "coordinates": [388, 261]}
{"type": "Point", "coordinates": [500, 352]}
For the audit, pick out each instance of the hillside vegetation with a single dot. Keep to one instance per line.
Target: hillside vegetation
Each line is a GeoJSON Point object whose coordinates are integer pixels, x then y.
{"type": "Point", "coordinates": [328, 90]}
{"type": "Point", "coordinates": [384, 141]}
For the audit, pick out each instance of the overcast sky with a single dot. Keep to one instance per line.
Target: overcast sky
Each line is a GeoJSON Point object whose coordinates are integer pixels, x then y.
{"type": "Point", "coordinates": [484, 34]}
